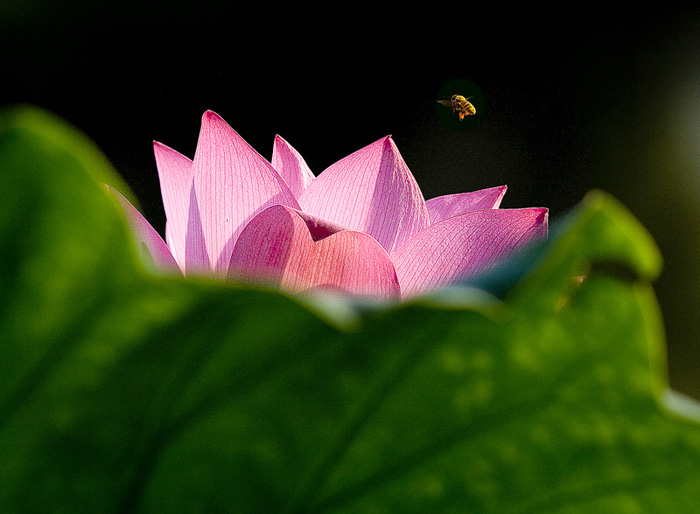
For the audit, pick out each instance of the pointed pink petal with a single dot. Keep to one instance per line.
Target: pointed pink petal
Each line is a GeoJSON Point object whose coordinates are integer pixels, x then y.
{"type": "Point", "coordinates": [278, 248]}
{"type": "Point", "coordinates": [197, 261]}
{"type": "Point", "coordinates": [147, 238]}
{"type": "Point", "coordinates": [373, 191]}
{"type": "Point", "coordinates": [175, 173]}
{"type": "Point", "coordinates": [291, 166]}
{"type": "Point", "coordinates": [232, 183]}
{"type": "Point", "coordinates": [444, 207]}
{"type": "Point", "coordinates": [463, 245]}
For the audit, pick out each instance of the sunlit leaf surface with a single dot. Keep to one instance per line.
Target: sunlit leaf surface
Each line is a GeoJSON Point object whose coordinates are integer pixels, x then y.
{"type": "Point", "coordinates": [122, 391]}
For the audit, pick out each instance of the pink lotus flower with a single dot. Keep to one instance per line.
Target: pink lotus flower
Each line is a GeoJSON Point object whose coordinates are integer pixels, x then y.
{"type": "Point", "coordinates": [362, 226]}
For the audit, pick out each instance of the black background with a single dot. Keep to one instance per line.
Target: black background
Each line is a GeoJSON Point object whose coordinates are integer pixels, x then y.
{"type": "Point", "coordinates": [568, 101]}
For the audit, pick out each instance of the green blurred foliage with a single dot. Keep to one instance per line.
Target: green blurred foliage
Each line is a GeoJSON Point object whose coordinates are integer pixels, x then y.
{"type": "Point", "coordinates": [121, 391]}
{"type": "Point", "coordinates": [637, 91]}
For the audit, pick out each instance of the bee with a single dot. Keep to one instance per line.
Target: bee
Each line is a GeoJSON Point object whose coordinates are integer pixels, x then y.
{"type": "Point", "coordinates": [462, 106]}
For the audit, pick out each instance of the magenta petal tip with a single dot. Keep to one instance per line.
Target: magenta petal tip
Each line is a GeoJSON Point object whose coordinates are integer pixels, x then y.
{"type": "Point", "coordinates": [210, 115]}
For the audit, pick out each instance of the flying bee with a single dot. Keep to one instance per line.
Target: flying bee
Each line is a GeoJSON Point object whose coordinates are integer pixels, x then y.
{"type": "Point", "coordinates": [462, 106]}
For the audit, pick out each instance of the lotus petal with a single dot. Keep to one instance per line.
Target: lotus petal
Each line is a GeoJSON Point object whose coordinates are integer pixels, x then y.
{"type": "Point", "coordinates": [291, 166]}
{"type": "Point", "coordinates": [443, 207]}
{"type": "Point", "coordinates": [371, 191]}
{"type": "Point", "coordinates": [175, 173]}
{"type": "Point", "coordinates": [463, 245]}
{"type": "Point", "coordinates": [292, 250]}
{"type": "Point", "coordinates": [146, 236]}
{"type": "Point", "coordinates": [232, 183]}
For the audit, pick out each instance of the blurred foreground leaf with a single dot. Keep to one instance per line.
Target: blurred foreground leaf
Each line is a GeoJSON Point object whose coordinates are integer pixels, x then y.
{"type": "Point", "coordinates": [125, 392]}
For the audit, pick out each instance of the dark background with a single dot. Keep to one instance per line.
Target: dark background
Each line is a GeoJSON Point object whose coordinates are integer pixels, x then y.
{"type": "Point", "coordinates": [592, 97]}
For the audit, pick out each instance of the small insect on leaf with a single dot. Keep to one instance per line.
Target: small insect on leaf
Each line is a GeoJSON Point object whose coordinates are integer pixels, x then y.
{"type": "Point", "coordinates": [461, 105]}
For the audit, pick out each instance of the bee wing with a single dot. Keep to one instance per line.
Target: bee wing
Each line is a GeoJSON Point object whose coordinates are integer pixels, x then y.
{"type": "Point", "coordinates": [448, 103]}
